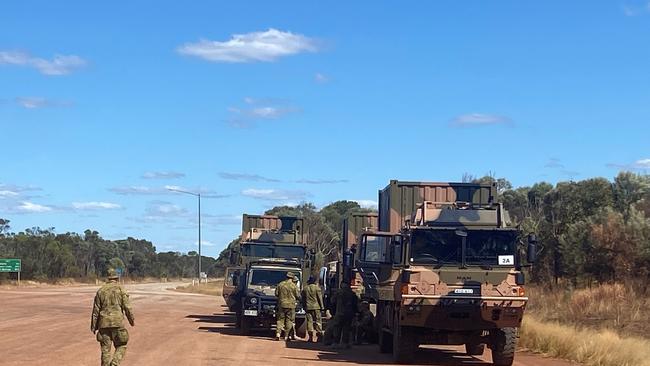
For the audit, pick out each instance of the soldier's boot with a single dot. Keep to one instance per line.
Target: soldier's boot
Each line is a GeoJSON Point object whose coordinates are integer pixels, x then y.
{"type": "Point", "coordinates": [309, 337]}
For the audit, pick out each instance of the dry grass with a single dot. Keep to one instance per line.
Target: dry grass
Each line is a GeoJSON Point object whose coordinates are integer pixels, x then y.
{"type": "Point", "coordinates": [616, 307]}
{"type": "Point", "coordinates": [212, 288]}
{"type": "Point", "coordinates": [589, 347]}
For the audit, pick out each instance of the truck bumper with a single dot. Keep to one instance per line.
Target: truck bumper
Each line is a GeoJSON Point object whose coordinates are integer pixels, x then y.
{"type": "Point", "coordinates": [462, 313]}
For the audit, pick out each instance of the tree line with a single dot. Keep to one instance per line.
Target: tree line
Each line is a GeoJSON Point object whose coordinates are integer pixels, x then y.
{"type": "Point", "coordinates": [590, 231]}
{"type": "Point", "coordinates": [46, 255]}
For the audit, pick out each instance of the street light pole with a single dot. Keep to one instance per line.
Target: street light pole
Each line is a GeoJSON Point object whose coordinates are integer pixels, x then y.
{"type": "Point", "coordinates": [197, 195]}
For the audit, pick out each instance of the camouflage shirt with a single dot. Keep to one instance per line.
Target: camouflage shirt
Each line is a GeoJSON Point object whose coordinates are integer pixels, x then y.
{"type": "Point", "coordinates": [313, 297]}
{"type": "Point", "coordinates": [287, 293]}
{"type": "Point", "coordinates": [110, 305]}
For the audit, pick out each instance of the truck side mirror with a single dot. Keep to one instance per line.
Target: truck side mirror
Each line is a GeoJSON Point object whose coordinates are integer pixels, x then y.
{"type": "Point", "coordinates": [531, 252]}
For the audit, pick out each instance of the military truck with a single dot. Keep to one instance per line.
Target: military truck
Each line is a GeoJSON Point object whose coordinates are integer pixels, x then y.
{"type": "Point", "coordinates": [444, 268]}
{"type": "Point", "coordinates": [258, 300]}
{"type": "Point", "coordinates": [335, 272]}
{"type": "Point", "coordinates": [269, 247]}
{"type": "Point", "coordinates": [263, 236]}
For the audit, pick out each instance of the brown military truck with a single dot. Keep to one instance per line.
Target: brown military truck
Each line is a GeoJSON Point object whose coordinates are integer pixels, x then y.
{"type": "Point", "coordinates": [335, 272]}
{"type": "Point", "coordinates": [263, 236]}
{"type": "Point", "coordinates": [444, 268]}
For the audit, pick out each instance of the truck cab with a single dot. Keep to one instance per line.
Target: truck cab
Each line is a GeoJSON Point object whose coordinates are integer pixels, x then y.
{"type": "Point", "coordinates": [258, 300]}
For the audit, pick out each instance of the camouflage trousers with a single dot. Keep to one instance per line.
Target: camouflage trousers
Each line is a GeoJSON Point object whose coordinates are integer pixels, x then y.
{"type": "Point", "coordinates": [118, 337]}
{"type": "Point", "coordinates": [314, 321]}
{"type": "Point", "coordinates": [285, 318]}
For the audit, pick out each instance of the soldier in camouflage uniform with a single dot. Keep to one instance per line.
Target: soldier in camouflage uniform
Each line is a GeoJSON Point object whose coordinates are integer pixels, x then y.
{"type": "Point", "coordinates": [313, 303]}
{"type": "Point", "coordinates": [110, 305]}
{"type": "Point", "coordinates": [346, 309]}
{"type": "Point", "coordinates": [364, 325]}
{"type": "Point", "coordinates": [288, 294]}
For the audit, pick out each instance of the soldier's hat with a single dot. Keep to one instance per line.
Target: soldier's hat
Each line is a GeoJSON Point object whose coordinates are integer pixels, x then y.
{"type": "Point", "coordinates": [112, 274]}
{"type": "Point", "coordinates": [290, 275]}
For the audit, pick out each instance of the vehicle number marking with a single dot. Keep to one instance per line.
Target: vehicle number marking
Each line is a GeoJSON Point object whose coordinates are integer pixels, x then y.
{"type": "Point", "coordinates": [506, 260]}
{"type": "Point", "coordinates": [250, 312]}
{"type": "Point", "coordinates": [463, 291]}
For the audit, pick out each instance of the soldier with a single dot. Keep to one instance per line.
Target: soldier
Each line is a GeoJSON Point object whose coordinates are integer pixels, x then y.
{"type": "Point", "coordinates": [287, 294]}
{"type": "Point", "coordinates": [364, 325]}
{"type": "Point", "coordinates": [313, 303]}
{"type": "Point", "coordinates": [110, 305]}
{"type": "Point", "coordinates": [292, 332]}
{"type": "Point", "coordinates": [346, 308]}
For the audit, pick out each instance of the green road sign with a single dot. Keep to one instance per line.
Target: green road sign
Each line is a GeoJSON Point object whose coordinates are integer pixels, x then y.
{"type": "Point", "coordinates": [9, 265]}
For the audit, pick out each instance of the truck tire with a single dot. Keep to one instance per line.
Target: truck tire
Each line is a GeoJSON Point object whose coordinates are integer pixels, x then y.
{"type": "Point", "coordinates": [246, 325]}
{"type": "Point", "coordinates": [404, 343]}
{"type": "Point", "coordinates": [504, 342]}
{"type": "Point", "coordinates": [474, 349]}
{"type": "Point", "coordinates": [301, 328]}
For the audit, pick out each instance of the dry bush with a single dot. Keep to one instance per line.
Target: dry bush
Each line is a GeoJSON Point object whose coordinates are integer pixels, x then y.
{"type": "Point", "coordinates": [214, 288]}
{"type": "Point", "coordinates": [589, 347]}
{"type": "Point", "coordinates": [611, 306]}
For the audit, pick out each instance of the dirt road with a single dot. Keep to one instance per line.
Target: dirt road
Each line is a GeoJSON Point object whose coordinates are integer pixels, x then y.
{"type": "Point", "coordinates": [52, 327]}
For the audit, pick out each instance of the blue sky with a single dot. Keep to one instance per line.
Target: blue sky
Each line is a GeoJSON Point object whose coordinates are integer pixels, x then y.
{"type": "Point", "coordinates": [102, 106]}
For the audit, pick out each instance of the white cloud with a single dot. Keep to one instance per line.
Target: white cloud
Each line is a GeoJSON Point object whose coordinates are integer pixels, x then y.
{"type": "Point", "coordinates": [480, 119]}
{"type": "Point", "coordinates": [369, 204]}
{"type": "Point", "coordinates": [251, 47]}
{"type": "Point", "coordinates": [554, 163]}
{"type": "Point", "coordinates": [320, 78]}
{"type": "Point", "coordinates": [137, 190]}
{"type": "Point", "coordinates": [247, 177]}
{"type": "Point", "coordinates": [39, 102]}
{"type": "Point", "coordinates": [275, 194]}
{"type": "Point", "coordinates": [164, 209]}
{"type": "Point", "coordinates": [95, 206]}
{"type": "Point", "coordinates": [162, 175]}
{"type": "Point", "coordinates": [30, 207]}
{"type": "Point", "coordinates": [7, 193]}
{"type": "Point", "coordinates": [58, 65]}
{"type": "Point", "coordinates": [641, 164]}
{"type": "Point", "coordinates": [258, 110]}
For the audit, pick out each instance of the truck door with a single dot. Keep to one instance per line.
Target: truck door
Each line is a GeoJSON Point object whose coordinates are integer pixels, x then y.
{"type": "Point", "coordinates": [374, 254]}
{"type": "Point", "coordinates": [230, 284]}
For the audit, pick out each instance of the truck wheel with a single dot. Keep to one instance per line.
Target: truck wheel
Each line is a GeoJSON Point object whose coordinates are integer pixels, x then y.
{"type": "Point", "coordinates": [474, 349]}
{"type": "Point", "coordinates": [404, 343]}
{"type": "Point", "coordinates": [385, 342]}
{"type": "Point", "coordinates": [504, 342]}
{"type": "Point", "coordinates": [246, 325]}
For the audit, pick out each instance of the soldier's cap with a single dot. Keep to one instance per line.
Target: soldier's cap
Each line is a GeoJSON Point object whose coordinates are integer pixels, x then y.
{"type": "Point", "coordinates": [290, 275]}
{"type": "Point", "coordinates": [112, 274]}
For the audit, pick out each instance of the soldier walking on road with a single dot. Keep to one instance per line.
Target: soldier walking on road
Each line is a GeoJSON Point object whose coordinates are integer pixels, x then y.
{"type": "Point", "coordinates": [346, 309]}
{"type": "Point", "coordinates": [313, 303]}
{"type": "Point", "coordinates": [288, 294]}
{"type": "Point", "coordinates": [110, 305]}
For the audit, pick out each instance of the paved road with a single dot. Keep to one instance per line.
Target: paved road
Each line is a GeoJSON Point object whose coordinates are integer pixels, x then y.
{"type": "Point", "coordinates": [52, 327]}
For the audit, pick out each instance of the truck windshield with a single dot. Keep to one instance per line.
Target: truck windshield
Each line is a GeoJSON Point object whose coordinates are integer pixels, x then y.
{"type": "Point", "coordinates": [484, 248]}
{"type": "Point", "coordinates": [435, 247]}
{"type": "Point", "coordinates": [269, 277]}
{"type": "Point", "coordinates": [491, 248]}
{"type": "Point", "coordinates": [273, 251]}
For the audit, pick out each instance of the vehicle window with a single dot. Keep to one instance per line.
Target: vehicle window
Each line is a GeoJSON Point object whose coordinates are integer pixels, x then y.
{"type": "Point", "coordinates": [267, 277]}
{"type": "Point", "coordinates": [436, 247]}
{"type": "Point", "coordinates": [376, 249]}
{"type": "Point", "coordinates": [491, 248]}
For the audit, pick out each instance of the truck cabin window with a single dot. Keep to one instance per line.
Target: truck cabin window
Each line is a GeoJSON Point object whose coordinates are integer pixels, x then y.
{"type": "Point", "coordinates": [273, 251]}
{"type": "Point", "coordinates": [376, 249]}
{"type": "Point", "coordinates": [484, 247]}
{"type": "Point", "coordinates": [268, 277]}
{"type": "Point", "coordinates": [435, 247]}
{"type": "Point", "coordinates": [495, 248]}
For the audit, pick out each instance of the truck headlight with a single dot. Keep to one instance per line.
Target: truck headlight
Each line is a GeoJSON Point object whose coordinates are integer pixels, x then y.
{"type": "Point", "coordinates": [253, 300]}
